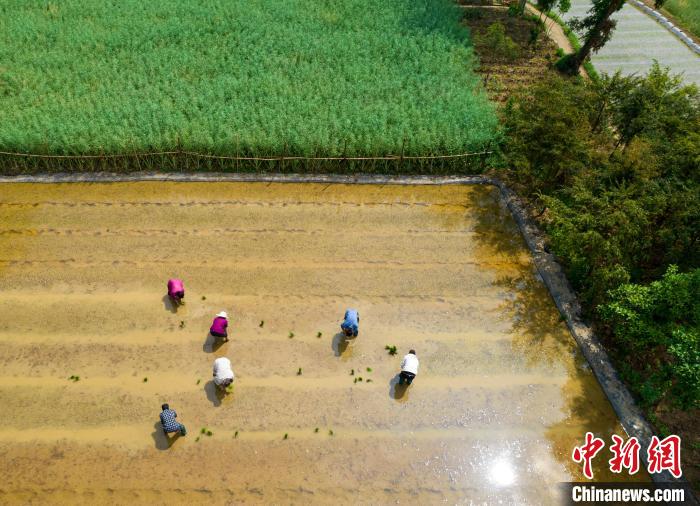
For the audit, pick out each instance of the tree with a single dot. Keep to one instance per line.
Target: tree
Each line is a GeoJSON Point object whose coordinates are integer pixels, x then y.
{"type": "Point", "coordinates": [549, 140]}
{"type": "Point", "coordinates": [548, 5]}
{"type": "Point", "coordinates": [597, 28]}
{"type": "Point", "coordinates": [659, 325]}
{"type": "Point", "coordinates": [521, 6]}
{"type": "Point", "coordinates": [650, 104]}
{"type": "Point", "coordinates": [613, 168]}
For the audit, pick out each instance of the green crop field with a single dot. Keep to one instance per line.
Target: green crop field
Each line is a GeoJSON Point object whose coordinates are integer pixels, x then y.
{"type": "Point", "coordinates": [239, 77]}
{"type": "Point", "coordinates": [687, 11]}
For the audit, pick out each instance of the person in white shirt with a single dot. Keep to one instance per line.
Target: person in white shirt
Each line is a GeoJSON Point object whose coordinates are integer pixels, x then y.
{"type": "Point", "coordinates": [409, 368]}
{"type": "Point", "coordinates": [223, 374]}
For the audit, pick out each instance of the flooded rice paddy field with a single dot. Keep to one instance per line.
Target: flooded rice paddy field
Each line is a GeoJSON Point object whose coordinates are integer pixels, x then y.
{"type": "Point", "coordinates": [501, 398]}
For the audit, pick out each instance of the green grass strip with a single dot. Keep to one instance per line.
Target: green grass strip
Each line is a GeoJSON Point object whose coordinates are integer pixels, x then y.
{"type": "Point", "coordinates": [687, 12]}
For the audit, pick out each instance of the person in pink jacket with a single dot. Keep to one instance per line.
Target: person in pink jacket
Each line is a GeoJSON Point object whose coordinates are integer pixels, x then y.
{"type": "Point", "coordinates": [219, 326]}
{"type": "Point", "coordinates": [176, 290]}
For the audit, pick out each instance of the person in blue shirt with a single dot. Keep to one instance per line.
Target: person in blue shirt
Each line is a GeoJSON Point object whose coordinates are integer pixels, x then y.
{"type": "Point", "coordinates": [167, 420]}
{"type": "Point", "coordinates": [350, 323]}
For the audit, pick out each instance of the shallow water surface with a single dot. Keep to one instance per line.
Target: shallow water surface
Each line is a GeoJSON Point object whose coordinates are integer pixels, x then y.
{"type": "Point", "coordinates": [502, 395]}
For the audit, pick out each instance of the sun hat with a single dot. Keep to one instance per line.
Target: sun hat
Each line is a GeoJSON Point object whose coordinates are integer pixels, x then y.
{"type": "Point", "coordinates": [222, 314]}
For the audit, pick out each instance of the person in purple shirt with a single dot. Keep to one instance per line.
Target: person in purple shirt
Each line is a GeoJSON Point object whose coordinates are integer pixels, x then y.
{"type": "Point", "coordinates": [219, 326]}
{"type": "Point", "coordinates": [176, 290]}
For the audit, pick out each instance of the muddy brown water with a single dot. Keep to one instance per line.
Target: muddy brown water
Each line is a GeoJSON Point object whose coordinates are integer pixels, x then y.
{"type": "Point", "coordinates": [502, 396]}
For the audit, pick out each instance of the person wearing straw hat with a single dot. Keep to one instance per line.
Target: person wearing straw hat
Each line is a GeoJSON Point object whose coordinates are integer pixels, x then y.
{"type": "Point", "coordinates": [219, 326]}
{"type": "Point", "coordinates": [223, 374]}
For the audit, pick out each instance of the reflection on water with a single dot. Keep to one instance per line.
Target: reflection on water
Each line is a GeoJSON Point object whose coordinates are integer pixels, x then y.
{"type": "Point", "coordinates": [341, 345]}
{"type": "Point", "coordinates": [397, 391]}
{"type": "Point", "coordinates": [540, 336]}
{"type": "Point", "coordinates": [538, 332]}
{"type": "Point", "coordinates": [212, 344]}
{"type": "Point", "coordinates": [162, 440]}
{"type": "Point", "coordinates": [169, 304]}
{"type": "Point", "coordinates": [214, 393]}
{"type": "Point", "coordinates": [502, 473]}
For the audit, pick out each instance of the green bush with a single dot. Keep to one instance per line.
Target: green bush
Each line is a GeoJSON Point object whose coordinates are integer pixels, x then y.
{"type": "Point", "coordinates": [613, 168]}
{"type": "Point", "coordinates": [498, 43]}
{"type": "Point", "coordinates": [565, 65]}
{"type": "Point", "coordinates": [548, 138]}
{"type": "Point", "coordinates": [658, 326]}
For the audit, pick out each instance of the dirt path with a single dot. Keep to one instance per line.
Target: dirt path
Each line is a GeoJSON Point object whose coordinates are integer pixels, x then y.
{"type": "Point", "coordinates": [553, 29]}
{"type": "Point", "coordinates": [556, 33]}
{"type": "Point", "coordinates": [502, 396]}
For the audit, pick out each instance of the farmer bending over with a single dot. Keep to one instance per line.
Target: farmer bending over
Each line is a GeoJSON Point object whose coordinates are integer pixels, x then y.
{"type": "Point", "coordinates": [351, 322]}
{"type": "Point", "coordinates": [223, 374]}
{"type": "Point", "coordinates": [176, 290]}
{"type": "Point", "coordinates": [219, 326]}
{"type": "Point", "coordinates": [167, 420]}
{"type": "Point", "coordinates": [409, 368]}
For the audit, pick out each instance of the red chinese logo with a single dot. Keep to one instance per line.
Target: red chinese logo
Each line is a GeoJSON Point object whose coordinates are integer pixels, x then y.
{"type": "Point", "coordinates": [625, 456]}
{"type": "Point", "coordinates": [662, 455]}
{"type": "Point", "coordinates": [665, 455]}
{"type": "Point", "coordinates": [586, 452]}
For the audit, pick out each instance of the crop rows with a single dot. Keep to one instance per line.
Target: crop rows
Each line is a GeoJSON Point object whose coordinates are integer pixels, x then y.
{"type": "Point", "coordinates": [239, 78]}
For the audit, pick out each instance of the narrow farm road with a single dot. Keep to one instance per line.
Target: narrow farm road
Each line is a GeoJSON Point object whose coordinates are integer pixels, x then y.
{"type": "Point", "coordinates": [554, 30]}
{"type": "Point", "coordinates": [637, 41]}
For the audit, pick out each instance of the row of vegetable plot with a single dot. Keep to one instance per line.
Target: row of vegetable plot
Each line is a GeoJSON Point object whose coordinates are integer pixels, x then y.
{"type": "Point", "coordinates": [240, 78]}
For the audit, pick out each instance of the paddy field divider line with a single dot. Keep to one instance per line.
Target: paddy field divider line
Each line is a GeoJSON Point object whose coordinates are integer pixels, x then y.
{"type": "Point", "coordinates": [271, 264]}
{"type": "Point", "coordinates": [24, 295]}
{"type": "Point", "coordinates": [630, 415]}
{"type": "Point", "coordinates": [243, 337]}
{"type": "Point", "coordinates": [132, 435]}
{"type": "Point", "coordinates": [158, 381]}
